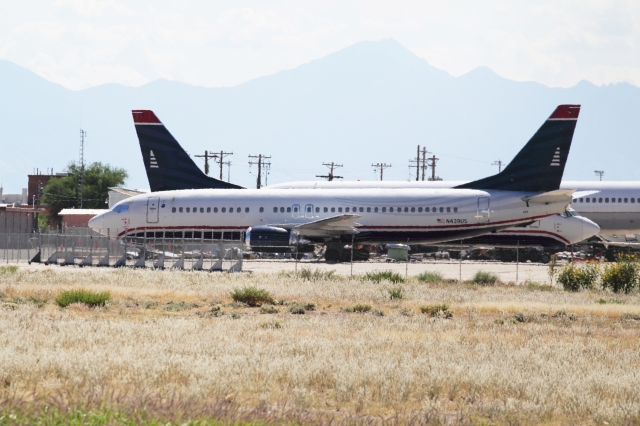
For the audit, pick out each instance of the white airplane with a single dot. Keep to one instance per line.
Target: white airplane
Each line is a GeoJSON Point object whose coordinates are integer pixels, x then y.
{"type": "Point", "coordinates": [524, 192]}
{"type": "Point", "coordinates": [614, 206]}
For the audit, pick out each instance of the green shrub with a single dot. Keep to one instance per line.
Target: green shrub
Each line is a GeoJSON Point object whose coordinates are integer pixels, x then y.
{"type": "Point", "coordinates": [362, 308]}
{"type": "Point", "coordinates": [88, 297]}
{"type": "Point", "coordinates": [430, 277]}
{"type": "Point", "coordinates": [395, 293]}
{"type": "Point", "coordinates": [297, 309]}
{"type": "Point", "coordinates": [268, 309]}
{"type": "Point", "coordinates": [252, 296]}
{"type": "Point", "coordinates": [575, 278]}
{"type": "Point", "coordinates": [622, 275]}
{"type": "Point", "coordinates": [521, 317]}
{"type": "Point", "coordinates": [437, 310]}
{"type": "Point", "coordinates": [309, 306]}
{"type": "Point", "coordinates": [12, 269]}
{"type": "Point", "coordinates": [379, 276]}
{"type": "Point", "coordinates": [316, 275]}
{"type": "Point", "coordinates": [482, 277]}
{"type": "Point", "coordinates": [540, 287]}
{"type": "Point", "coordinates": [180, 306]}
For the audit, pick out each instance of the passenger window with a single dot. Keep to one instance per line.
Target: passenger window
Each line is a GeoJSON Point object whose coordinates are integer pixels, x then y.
{"type": "Point", "coordinates": [173, 209]}
{"type": "Point", "coordinates": [406, 209]}
{"type": "Point", "coordinates": [426, 209]}
{"type": "Point", "coordinates": [275, 210]}
{"type": "Point", "coordinates": [587, 200]}
{"type": "Point", "coordinates": [581, 200]}
{"type": "Point", "coordinates": [261, 209]}
{"type": "Point", "coordinates": [346, 209]}
{"type": "Point", "coordinates": [390, 209]}
{"type": "Point", "coordinates": [339, 209]}
{"type": "Point", "coordinates": [239, 210]}
{"type": "Point", "coordinates": [208, 209]}
{"type": "Point", "coordinates": [448, 209]}
{"type": "Point", "coordinates": [375, 210]}
{"type": "Point", "coordinates": [223, 210]}
{"type": "Point", "coordinates": [455, 210]}
{"type": "Point", "coordinates": [215, 210]}
{"type": "Point", "coordinates": [368, 209]}
{"type": "Point", "coordinates": [333, 209]}
{"type": "Point", "coordinates": [295, 209]}
{"type": "Point", "coordinates": [633, 200]}
{"type": "Point", "coordinates": [246, 209]}
{"type": "Point", "coordinates": [361, 209]}
{"type": "Point", "coordinates": [317, 209]}
{"type": "Point", "coordinates": [281, 209]}
{"type": "Point", "coordinates": [288, 209]}
{"type": "Point", "coordinates": [626, 200]}
{"type": "Point", "coordinates": [441, 209]}
{"type": "Point", "coordinates": [613, 200]}
{"type": "Point", "coordinates": [195, 210]}
{"type": "Point", "coordinates": [384, 210]}
{"type": "Point", "coordinates": [619, 200]}
{"type": "Point", "coordinates": [413, 209]}
{"type": "Point", "coordinates": [188, 209]}
{"type": "Point", "coordinates": [201, 209]}
{"type": "Point", "coordinates": [326, 209]}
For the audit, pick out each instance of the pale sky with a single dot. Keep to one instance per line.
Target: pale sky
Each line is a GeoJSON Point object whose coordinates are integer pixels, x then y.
{"type": "Point", "coordinates": [83, 43]}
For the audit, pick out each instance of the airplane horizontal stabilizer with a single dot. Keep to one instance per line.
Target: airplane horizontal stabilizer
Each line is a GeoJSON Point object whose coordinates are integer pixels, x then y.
{"type": "Point", "coordinates": [539, 165]}
{"type": "Point", "coordinates": [557, 196]}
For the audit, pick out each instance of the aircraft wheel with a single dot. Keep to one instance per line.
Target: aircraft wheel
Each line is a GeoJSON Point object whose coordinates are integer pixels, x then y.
{"type": "Point", "coordinates": [545, 258]}
{"type": "Point", "coordinates": [332, 255]}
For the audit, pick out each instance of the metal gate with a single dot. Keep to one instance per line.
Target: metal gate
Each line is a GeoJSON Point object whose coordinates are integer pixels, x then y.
{"type": "Point", "coordinates": [153, 212]}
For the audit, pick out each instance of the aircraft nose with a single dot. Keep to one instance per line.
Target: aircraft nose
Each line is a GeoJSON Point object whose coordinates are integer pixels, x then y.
{"type": "Point", "coordinates": [96, 222]}
{"type": "Point", "coordinates": [589, 228]}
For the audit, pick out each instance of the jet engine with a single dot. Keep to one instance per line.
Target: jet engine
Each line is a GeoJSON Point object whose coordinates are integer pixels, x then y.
{"type": "Point", "coordinates": [271, 239]}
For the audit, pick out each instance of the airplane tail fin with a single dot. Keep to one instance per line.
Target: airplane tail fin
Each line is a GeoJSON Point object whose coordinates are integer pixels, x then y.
{"type": "Point", "coordinates": [167, 164]}
{"type": "Point", "coordinates": [539, 166]}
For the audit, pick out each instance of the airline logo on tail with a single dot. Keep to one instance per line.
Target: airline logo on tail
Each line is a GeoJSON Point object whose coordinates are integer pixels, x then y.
{"type": "Point", "coordinates": [554, 162]}
{"type": "Point", "coordinates": [153, 163]}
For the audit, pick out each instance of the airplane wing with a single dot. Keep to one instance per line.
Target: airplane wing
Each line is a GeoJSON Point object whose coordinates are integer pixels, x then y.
{"type": "Point", "coordinates": [344, 224]}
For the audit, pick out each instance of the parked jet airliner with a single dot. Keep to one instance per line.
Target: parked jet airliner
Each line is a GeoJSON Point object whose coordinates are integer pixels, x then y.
{"type": "Point", "coordinates": [525, 191]}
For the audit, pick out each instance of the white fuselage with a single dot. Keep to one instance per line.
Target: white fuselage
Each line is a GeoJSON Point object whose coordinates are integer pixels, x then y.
{"type": "Point", "coordinates": [386, 215]}
{"type": "Point", "coordinates": [615, 207]}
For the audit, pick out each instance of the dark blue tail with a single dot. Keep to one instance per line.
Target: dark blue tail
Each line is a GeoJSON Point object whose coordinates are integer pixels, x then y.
{"type": "Point", "coordinates": [539, 166]}
{"type": "Point", "coordinates": [168, 166]}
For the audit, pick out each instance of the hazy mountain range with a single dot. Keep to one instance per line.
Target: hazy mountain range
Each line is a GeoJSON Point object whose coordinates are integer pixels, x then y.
{"type": "Point", "coordinates": [371, 102]}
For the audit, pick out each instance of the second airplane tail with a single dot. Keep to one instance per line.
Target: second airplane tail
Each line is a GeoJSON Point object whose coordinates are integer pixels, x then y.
{"type": "Point", "coordinates": [539, 166]}
{"type": "Point", "coordinates": [168, 165]}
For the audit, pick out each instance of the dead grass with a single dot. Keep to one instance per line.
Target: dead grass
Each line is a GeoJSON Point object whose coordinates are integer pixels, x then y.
{"type": "Point", "coordinates": [507, 353]}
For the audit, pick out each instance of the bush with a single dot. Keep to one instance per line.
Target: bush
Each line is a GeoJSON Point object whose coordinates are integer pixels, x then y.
{"type": "Point", "coordinates": [296, 309]}
{"type": "Point", "coordinates": [430, 277]}
{"type": "Point", "coordinates": [377, 312]}
{"type": "Point", "coordinates": [575, 278]}
{"type": "Point", "coordinates": [482, 277]}
{"type": "Point", "coordinates": [252, 296]}
{"type": "Point", "coordinates": [90, 298]}
{"type": "Point", "coordinates": [12, 269]}
{"type": "Point", "coordinates": [362, 308]}
{"type": "Point", "coordinates": [316, 275]}
{"type": "Point", "coordinates": [629, 316]}
{"type": "Point", "coordinates": [622, 275]}
{"type": "Point", "coordinates": [437, 310]}
{"type": "Point", "coordinates": [378, 276]}
{"type": "Point", "coordinates": [395, 293]}
{"type": "Point", "coordinates": [268, 309]}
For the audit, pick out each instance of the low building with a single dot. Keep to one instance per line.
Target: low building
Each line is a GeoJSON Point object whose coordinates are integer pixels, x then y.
{"type": "Point", "coordinates": [16, 220]}
{"type": "Point", "coordinates": [78, 218]}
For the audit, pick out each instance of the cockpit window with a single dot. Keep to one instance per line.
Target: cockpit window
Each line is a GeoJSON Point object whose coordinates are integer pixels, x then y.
{"type": "Point", "coordinates": [570, 213]}
{"type": "Point", "coordinates": [121, 208]}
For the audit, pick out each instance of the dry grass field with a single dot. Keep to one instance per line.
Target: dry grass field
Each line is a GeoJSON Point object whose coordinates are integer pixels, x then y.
{"type": "Point", "coordinates": [173, 347]}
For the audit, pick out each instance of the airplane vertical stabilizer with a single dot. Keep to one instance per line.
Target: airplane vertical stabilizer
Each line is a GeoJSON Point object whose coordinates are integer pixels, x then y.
{"type": "Point", "coordinates": [539, 166]}
{"type": "Point", "coordinates": [168, 165]}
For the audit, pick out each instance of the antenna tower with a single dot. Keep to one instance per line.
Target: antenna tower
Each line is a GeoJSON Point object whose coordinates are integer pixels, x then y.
{"type": "Point", "coordinates": [81, 175]}
{"type": "Point", "coordinates": [330, 176]}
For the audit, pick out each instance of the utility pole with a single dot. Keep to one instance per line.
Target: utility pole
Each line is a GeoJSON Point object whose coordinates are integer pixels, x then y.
{"type": "Point", "coordinates": [206, 157]}
{"type": "Point", "coordinates": [424, 161]}
{"type": "Point", "coordinates": [432, 164]}
{"type": "Point", "coordinates": [498, 163]}
{"type": "Point", "coordinates": [330, 176]}
{"type": "Point", "coordinates": [599, 173]}
{"type": "Point", "coordinates": [417, 166]}
{"type": "Point", "coordinates": [218, 157]}
{"type": "Point", "coordinates": [261, 163]}
{"type": "Point", "coordinates": [81, 175]}
{"type": "Point", "coordinates": [380, 166]}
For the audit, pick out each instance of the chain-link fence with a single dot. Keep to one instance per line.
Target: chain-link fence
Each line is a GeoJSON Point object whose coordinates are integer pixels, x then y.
{"type": "Point", "coordinates": [185, 249]}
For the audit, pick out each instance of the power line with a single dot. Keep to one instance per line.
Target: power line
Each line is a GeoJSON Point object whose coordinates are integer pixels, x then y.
{"type": "Point", "coordinates": [261, 164]}
{"type": "Point", "coordinates": [218, 157]}
{"type": "Point", "coordinates": [330, 176]}
{"type": "Point", "coordinates": [380, 166]}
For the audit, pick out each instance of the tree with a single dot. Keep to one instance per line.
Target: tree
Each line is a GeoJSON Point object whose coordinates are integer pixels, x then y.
{"type": "Point", "coordinates": [63, 192]}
